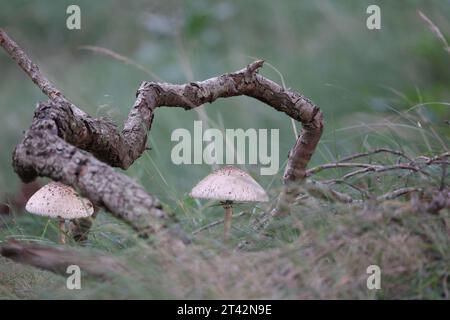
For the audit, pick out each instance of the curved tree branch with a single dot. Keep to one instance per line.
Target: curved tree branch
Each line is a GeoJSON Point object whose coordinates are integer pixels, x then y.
{"type": "Point", "coordinates": [43, 152]}
{"type": "Point", "coordinates": [247, 82]}
{"type": "Point", "coordinates": [66, 144]}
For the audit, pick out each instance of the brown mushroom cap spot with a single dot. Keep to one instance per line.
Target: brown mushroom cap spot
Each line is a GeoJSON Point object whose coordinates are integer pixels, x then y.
{"type": "Point", "coordinates": [58, 200]}
{"type": "Point", "coordinates": [229, 183]}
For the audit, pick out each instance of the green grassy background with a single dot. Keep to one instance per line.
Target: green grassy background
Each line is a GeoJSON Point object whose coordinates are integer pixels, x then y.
{"type": "Point", "coordinates": [386, 88]}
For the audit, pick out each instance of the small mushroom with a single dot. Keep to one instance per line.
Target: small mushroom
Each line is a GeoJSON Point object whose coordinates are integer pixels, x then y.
{"type": "Point", "coordinates": [56, 200]}
{"type": "Point", "coordinates": [229, 184]}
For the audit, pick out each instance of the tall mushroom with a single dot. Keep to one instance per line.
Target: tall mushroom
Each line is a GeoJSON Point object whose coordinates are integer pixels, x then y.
{"type": "Point", "coordinates": [56, 200]}
{"type": "Point", "coordinates": [229, 184]}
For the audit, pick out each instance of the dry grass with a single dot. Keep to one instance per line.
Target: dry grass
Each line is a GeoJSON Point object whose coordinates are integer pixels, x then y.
{"type": "Point", "coordinates": [321, 251]}
{"type": "Point", "coordinates": [328, 263]}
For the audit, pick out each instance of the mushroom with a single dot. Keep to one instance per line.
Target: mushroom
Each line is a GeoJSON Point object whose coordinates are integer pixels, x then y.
{"type": "Point", "coordinates": [56, 200]}
{"type": "Point", "coordinates": [229, 184]}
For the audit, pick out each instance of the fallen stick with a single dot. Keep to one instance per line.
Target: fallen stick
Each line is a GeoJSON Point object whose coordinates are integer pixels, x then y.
{"type": "Point", "coordinates": [57, 259]}
{"type": "Point", "coordinates": [66, 144]}
{"type": "Point", "coordinates": [398, 193]}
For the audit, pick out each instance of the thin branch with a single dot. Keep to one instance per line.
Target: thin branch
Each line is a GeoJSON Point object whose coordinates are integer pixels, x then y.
{"type": "Point", "coordinates": [322, 191]}
{"type": "Point", "coordinates": [377, 169]}
{"type": "Point", "coordinates": [317, 169]}
{"type": "Point", "coordinates": [364, 192]}
{"type": "Point", "coordinates": [413, 164]}
{"type": "Point", "coordinates": [397, 193]}
{"type": "Point", "coordinates": [434, 159]}
{"type": "Point", "coordinates": [369, 153]}
{"type": "Point", "coordinates": [343, 163]}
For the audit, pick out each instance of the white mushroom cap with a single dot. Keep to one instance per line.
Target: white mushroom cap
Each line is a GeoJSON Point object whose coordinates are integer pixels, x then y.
{"type": "Point", "coordinates": [58, 200]}
{"type": "Point", "coordinates": [229, 183]}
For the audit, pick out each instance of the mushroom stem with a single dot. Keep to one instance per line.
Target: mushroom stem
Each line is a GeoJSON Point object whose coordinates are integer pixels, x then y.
{"type": "Point", "coordinates": [228, 206]}
{"type": "Point", "coordinates": [62, 231]}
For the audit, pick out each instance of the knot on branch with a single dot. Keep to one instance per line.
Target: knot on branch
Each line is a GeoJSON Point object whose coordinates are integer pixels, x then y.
{"type": "Point", "coordinates": [252, 70]}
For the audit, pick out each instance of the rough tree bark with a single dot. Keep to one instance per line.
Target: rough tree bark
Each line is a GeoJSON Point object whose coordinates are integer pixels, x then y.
{"type": "Point", "coordinates": [66, 144]}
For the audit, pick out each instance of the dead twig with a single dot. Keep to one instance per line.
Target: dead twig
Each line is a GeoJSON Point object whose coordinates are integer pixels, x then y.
{"type": "Point", "coordinates": [397, 193]}
{"type": "Point", "coordinates": [322, 191]}
{"type": "Point", "coordinates": [376, 169]}
{"type": "Point", "coordinates": [376, 151]}
{"type": "Point", "coordinates": [318, 169]}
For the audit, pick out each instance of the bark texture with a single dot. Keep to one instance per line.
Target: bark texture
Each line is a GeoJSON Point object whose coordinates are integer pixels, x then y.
{"type": "Point", "coordinates": [249, 83]}
{"type": "Point", "coordinates": [66, 144]}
